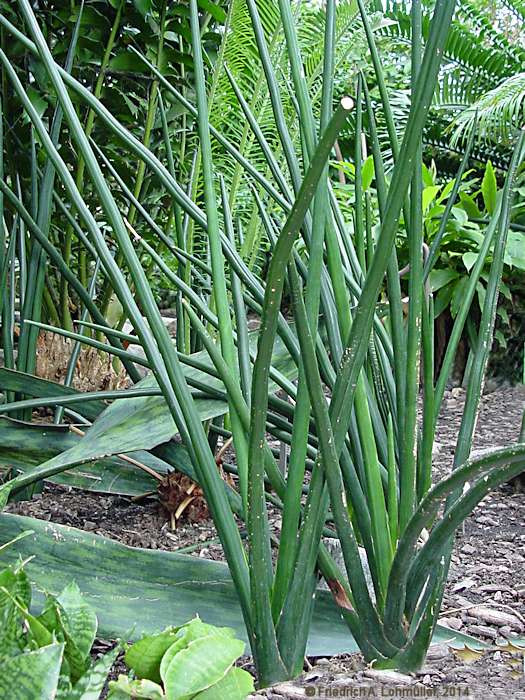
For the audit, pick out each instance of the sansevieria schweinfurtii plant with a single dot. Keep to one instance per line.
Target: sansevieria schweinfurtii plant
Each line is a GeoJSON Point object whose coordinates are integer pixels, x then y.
{"type": "Point", "coordinates": [332, 378]}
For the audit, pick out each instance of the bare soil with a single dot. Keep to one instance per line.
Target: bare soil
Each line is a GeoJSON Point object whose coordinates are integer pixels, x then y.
{"type": "Point", "coordinates": [488, 570]}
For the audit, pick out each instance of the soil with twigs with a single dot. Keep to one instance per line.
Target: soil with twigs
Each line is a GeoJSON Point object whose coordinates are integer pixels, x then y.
{"type": "Point", "coordinates": [485, 594]}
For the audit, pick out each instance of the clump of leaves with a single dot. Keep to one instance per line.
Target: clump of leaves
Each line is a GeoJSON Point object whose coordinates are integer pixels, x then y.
{"type": "Point", "coordinates": [48, 656]}
{"type": "Point", "coordinates": [194, 661]}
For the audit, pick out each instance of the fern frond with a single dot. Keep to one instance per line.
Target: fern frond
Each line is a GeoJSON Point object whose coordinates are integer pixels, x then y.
{"type": "Point", "coordinates": [516, 7]}
{"type": "Point", "coordinates": [498, 113]}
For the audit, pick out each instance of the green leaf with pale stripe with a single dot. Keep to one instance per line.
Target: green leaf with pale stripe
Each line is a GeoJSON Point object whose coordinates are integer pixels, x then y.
{"type": "Point", "coordinates": [24, 446]}
{"type": "Point", "coordinates": [147, 588]}
{"type": "Point", "coordinates": [92, 682]}
{"type": "Point", "coordinates": [78, 618]}
{"type": "Point", "coordinates": [33, 675]}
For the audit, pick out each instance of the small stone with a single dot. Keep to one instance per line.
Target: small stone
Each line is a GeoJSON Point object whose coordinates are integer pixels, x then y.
{"type": "Point", "coordinates": [322, 662]}
{"type": "Point", "coordinates": [465, 584]}
{"type": "Point", "coordinates": [468, 549]}
{"type": "Point", "coordinates": [437, 651]}
{"type": "Point", "coordinates": [453, 623]}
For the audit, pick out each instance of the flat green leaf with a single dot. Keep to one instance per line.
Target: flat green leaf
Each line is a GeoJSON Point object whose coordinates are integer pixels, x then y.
{"type": "Point", "coordinates": [428, 178]}
{"type": "Point", "coordinates": [145, 656]}
{"type": "Point", "coordinates": [470, 206]}
{"type": "Point", "coordinates": [143, 6]}
{"type": "Point", "coordinates": [489, 188]}
{"type": "Point", "coordinates": [458, 295]}
{"type": "Point", "coordinates": [442, 277]}
{"type": "Point", "coordinates": [38, 102]}
{"type": "Point", "coordinates": [32, 675]}
{"type": "Point", "coordinates": [80, 619]}
{"type": "Point", "coordinates": [173, 587]}
{"type": "Point", "coordinates": [143, 423]}
{"type": "Point", "coordinates": [122, 63]}
{"type": "Point", "coordinates": [23, 446]}
{"type": "Point", "coordinates": [367, 173]}
{"type": "Point", "coordinates": [446, 191]}
{"type": "Point", "coordinates": [200, 665]}
{"type": "Point", "coordinates": [500, 338]}
{"type": "Point", "coordinates": [195, 629]}
{"type": "Point", "coordinates": [515, 249]}
{"type": "Point", "coordinates": [170, 654]}
{"type": "Point", "coordinates": [469, 260]}
{"type": "Point", "coordinates": [481, 293]}
{"type": "Point", "coordinates": [12, 380]}
{"type": "Point", "coordinates": [14, 588]}
{"type": "Point", "coordinates": [54, 618]}
{"type": "Point", "coordinates": [214, 10]}
{"type": "Point", "coordinates": [235, 685]}
{"type": "Point", "coordinates": [443, 298]}
{"type": "Point", "coordinates": [429, 194]}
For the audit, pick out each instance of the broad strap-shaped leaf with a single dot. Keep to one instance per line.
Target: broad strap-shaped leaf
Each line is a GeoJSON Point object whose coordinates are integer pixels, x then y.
{"type": "Point", "coordinates": [25, 446]}
{"type": "Point", "coordinates": [32, 675]}
{"type": "Point", "coordinates": [173, 587]}
{"type": "Point", "coordinates": [141, 423]}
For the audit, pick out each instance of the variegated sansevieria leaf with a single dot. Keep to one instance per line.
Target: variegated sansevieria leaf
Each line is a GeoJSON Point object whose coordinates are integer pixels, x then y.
{"type": "Point", "coordinates": [33, 675]}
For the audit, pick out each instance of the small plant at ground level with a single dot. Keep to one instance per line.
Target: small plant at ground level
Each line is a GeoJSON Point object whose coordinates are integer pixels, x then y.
{"type": "Point", "coordinates": [48, 656]}
{"type": "Point", "coordinates": [193, 661]}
